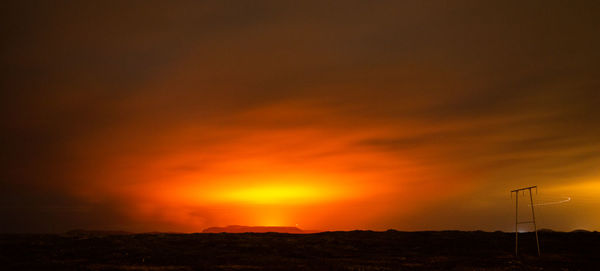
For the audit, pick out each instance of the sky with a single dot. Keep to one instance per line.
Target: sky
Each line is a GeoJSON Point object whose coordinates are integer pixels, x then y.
{"type": "Point", "coordinates": [409, 115]}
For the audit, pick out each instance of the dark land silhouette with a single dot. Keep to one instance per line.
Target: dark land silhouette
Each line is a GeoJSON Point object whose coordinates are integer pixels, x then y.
{"type": "Point", "coordinates": [353, 250]}
{"type": "Point", "coordinates": [254, 229]}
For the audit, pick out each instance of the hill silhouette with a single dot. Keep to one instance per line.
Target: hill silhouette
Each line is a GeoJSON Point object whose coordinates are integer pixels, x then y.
{"type": "Point", "coordinates": [84, 233]}
{"type": "Point", "coordinates": [254, 229]}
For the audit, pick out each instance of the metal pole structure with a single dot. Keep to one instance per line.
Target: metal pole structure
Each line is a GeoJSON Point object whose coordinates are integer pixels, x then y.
{"type": "Point", "coordinates": [524, 222]}
{"type": "Point", "coordinates": [517, 223]}
{"type": "Point", "coordinates": [537, 241]}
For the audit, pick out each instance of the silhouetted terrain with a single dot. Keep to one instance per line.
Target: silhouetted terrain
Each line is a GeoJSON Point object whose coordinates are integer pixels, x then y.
{"type": "Point", "coordinates": [244, 229]}
{"type": "Point", "coordinates": [355, 250]}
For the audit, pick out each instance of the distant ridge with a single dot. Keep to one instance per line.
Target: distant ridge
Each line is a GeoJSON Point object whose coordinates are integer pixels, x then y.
{"type": "Point", "coordinates": [256, 229]}
{"type": "Point", "coordinates": [81, 233]}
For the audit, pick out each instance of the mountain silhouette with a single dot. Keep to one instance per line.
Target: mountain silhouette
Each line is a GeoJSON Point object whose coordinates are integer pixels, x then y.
{"type": "Point", "coordinates": [257, 229]}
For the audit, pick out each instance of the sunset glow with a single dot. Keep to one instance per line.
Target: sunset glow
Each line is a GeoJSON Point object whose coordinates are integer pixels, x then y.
{"type": "Point", "coordinates": [276, 194]}
{"type": "Point", "coordinates": [376, 116]}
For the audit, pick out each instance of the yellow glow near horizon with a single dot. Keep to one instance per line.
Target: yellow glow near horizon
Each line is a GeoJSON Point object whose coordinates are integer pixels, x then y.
{"type": "Point", "coordinates": [275, 194]}
{"type": "Point", "coordinates": [271, 189]}
{"type": "Point", "coordinates": [276, 190]}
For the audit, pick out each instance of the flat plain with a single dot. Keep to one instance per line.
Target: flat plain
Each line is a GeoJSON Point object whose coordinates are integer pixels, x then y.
{"type": "Point", "coordinates": [351, 250]}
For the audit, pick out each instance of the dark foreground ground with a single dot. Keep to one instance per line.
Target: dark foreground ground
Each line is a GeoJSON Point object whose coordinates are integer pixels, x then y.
{"type": "Point", "coordinates": [356, 250]}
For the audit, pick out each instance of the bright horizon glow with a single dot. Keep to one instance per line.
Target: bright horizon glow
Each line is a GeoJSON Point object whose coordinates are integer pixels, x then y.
{"type": "Point", "coordinates": [276, 189]}
{"type": "Point", "coordinates": [275, 194]}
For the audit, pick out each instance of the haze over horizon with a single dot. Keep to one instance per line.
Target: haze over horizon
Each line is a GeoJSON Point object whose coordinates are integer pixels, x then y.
{"type": "Point", "coordinates": [408, 115]}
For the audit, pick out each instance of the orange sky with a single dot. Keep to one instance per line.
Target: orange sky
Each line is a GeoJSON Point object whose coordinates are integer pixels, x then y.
{"type": "Point", "coordinates": [413, 116]}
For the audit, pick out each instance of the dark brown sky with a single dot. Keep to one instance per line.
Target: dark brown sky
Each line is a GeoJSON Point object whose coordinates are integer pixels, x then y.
{"type": "Point", "coordinates": [156, 115]}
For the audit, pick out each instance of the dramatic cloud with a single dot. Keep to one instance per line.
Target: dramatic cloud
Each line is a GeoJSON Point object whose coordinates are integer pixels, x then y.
{"type": "Point", "coordinates": [176, 117]}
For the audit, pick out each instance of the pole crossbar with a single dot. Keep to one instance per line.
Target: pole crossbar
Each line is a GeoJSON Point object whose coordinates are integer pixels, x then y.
{"type": "Point", "coordinates": [517, 222]}
{"type": "Point", "coordinates": [525, 188]}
